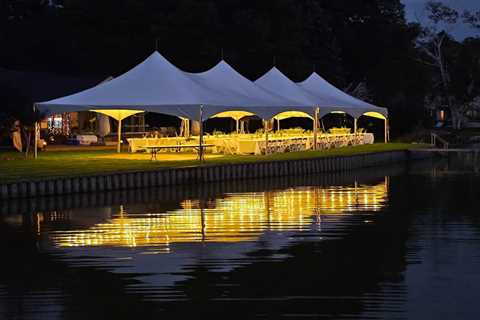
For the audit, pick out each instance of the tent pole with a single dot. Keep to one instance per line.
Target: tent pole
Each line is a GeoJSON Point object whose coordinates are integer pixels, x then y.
{"type": "Point", "coordinates": [386, 130]}
{"type": "Point", "coordinates": [354, 125]}
{"type": "Point", "coordinates": [119, 135]}
{"type": "Point", "coordinates": [315, 129]}
{"type": "Point", "coordinates": [35, 150]}
{"type": "Point", "coordinates": [265, 126]}
{"type": "Point", "coordinates": [238, 125]}
{"type": "Point", "coordinates": [200, 149]}
{"type": "Point", "coordinates": [184, 128]}
{"type": "Point", "coordinates": [278, 124]}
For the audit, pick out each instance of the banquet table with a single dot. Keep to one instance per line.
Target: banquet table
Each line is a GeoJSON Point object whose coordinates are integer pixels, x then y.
{"type": "Point", "coordinates": [139, 144]}
{"type": "Point", "coordinates": [255, 144]}
{"type": "Point", "coordinates": [154, 150]}
{"type": "Point", "coordinates": [275, 144]}
{"type": "Point", "coordinates": [328, 141]}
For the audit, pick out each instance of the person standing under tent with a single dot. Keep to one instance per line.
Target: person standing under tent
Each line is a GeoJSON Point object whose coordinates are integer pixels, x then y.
{"type": "Point", "coordinates": [16, 134]}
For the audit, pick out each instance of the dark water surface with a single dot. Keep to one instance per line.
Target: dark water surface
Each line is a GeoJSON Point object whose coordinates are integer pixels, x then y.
{"type": "Point", "coordinates": [395, 243]}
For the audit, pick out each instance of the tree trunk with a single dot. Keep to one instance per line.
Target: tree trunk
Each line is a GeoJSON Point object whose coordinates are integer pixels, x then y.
{"type": "Point", "coordinates": [28, 139]}
{"type": "Point", "coordinates": [457, 119]}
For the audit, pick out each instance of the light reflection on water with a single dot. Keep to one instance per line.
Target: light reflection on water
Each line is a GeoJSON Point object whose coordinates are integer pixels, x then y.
{"type": "Point", "coordinates": [396, 244]}
{"type": "Point", "coordinates": [232, 218]}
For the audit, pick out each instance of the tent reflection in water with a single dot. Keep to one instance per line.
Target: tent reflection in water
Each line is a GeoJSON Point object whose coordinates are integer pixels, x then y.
{"type": "Point", "coordinates": [156, 85]}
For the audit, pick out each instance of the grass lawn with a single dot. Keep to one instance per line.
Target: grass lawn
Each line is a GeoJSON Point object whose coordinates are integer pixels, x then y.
{"type": "Point", "coordinates": [14, 167]}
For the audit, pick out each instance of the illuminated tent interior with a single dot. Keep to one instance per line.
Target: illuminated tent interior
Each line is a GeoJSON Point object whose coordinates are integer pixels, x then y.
{"type": "Point", "coordinates": [317, 91]}
{"type": "Point", "coordinates": [156, 85]}
{"type": "Point", "coordinates": [119, 115]}
{"type": "Point", "coordinates": [226, 79]}
{"type": "Point", "coordinates": [235, 115]}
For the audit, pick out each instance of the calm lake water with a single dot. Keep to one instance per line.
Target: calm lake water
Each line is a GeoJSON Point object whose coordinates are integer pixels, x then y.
{"type": "Point", "coordinates": [396, 243]}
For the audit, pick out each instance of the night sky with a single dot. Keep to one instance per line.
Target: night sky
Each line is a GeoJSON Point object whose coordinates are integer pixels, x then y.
{"type": "Point", "coordinates": [415, 11]}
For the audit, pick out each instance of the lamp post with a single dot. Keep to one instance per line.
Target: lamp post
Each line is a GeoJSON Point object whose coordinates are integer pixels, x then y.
{"type": "Point", "coordinates": [36, 136]}
{"type": "Point", "coordinates": [119, 135]}
{"type": "Point", "coordinates": [265, 127]}
{"type": "Point", "coordinates": [386, 130]}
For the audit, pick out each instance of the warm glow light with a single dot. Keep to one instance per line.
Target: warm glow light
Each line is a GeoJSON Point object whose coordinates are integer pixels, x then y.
{"type": "Point", "coordinates": [442, 115]}
{"type": "Point", "coordinates": [118, 114]}
{"type": "Point", "coordinates": [292, 114]}
{"type": "Point", "coordinates": [234, 218]}
{"type": "Point", "coordinates": [236, 115]}
{"type": "Point", "coordinates": [375, 115]}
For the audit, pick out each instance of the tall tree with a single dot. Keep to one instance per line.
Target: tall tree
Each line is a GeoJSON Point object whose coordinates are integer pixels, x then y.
{"type": "Point", "coordinates": [447, 58]}
{"type": "Point", "coordinates": [347, 42]}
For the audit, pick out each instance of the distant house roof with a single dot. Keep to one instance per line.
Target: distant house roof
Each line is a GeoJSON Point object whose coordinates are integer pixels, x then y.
{"type": "Point", "coordinates": [41, 86]}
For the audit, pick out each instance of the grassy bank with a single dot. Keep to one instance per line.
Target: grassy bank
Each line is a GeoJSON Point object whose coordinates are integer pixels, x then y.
{"type": "Point", "coordinates": [13, 167]}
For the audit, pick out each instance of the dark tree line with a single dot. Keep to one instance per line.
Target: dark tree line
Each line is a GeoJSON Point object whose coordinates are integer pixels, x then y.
{"type": "Point", "coordinates": [347, 42]}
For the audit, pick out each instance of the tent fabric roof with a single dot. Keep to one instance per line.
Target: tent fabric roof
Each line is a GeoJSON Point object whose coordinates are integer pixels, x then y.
{"type": "Point", "coordinates": [156, 85]}
{"type": "Point", "coordinates": [255, 99]}
{"type": "Point", "coordinates": [319, 87]}
{"type": "Point", "coordinates": [275, 81]}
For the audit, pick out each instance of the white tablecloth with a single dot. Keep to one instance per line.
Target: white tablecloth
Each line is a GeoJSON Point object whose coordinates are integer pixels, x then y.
{"type": "Point", "coordinates": [137, 144]}
{"type": "Point", "coordinates": [233, 144]}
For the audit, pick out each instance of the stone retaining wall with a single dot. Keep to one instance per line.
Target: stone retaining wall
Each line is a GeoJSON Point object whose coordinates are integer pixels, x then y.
{"type": "Point", "coordinates": [200, 174]}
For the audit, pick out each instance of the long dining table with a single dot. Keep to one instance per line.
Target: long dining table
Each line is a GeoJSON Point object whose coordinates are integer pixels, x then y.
{"type": "Point", "coordinates": [255, 143]}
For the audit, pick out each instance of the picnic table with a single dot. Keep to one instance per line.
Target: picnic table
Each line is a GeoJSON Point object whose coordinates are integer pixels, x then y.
{"type": "Point", "coordinates": [177, 147]}
{"type": "Point", "coordinates": [139, 144]}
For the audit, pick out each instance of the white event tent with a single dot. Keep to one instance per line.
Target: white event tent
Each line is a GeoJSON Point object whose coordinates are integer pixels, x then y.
{"type": "Point", "coordinates": [276, 81]}
{"type": "Point", "coordinates": [321, 88]}
{"type": "Point", "coordinates": [266, 104]}
{"type": "Point", "coordinates": [317, 91]}
{"type": "Point", "coordinates": [156, 85]}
